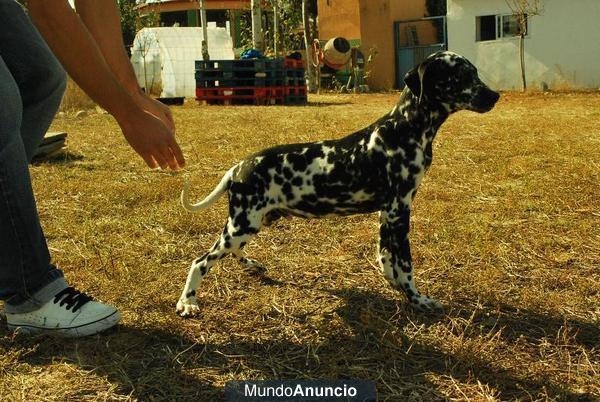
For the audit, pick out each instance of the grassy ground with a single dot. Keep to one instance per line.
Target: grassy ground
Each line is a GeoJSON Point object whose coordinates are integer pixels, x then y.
{"type": "Point", "coordinates": [506, 233]}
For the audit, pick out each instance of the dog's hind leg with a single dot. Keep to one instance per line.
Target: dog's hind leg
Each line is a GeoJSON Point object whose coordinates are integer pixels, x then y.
{"type": "Point", "coordinates": [238, 230]}
{"type": "Point", "coordinates": [395, 257]}
{"type": "Point", "coordinates": [254, 267]}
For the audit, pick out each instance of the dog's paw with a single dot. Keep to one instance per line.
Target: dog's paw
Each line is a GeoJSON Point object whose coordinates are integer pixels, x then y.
{"type": "Point", "coordinates": [426, 304]}
{"type": "Point", "coordinates": [187, 308]}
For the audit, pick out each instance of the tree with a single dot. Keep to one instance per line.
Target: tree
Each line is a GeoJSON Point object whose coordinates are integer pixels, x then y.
{"type": "Point", "coordinates": [290, 24]}
{"type": "Point", "coordinates": [523, 10]}
{"type": "Point", "coordinates": [435, 7]}
{"type": "Point", "coordinates": [307, 45]}
{"type": "Point", "coordinates": [290, 19]}
{"type": "Point", "coordinates": [128, 21]}
{"type": "Point", "coordinates": [132, 21]}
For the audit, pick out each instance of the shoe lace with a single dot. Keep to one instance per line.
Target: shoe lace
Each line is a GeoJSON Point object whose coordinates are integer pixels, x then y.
{"type": "Point", "coordinates": [74, 298]}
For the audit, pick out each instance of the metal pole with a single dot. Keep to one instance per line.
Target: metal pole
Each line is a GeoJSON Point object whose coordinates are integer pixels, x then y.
{"type": "Point", "coordinates": [257, 35]}
{"type": "Point", "coordinates": [205, 54]}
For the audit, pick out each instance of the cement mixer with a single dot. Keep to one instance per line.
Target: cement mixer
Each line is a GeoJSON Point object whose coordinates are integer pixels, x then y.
{"type": "Point", "coordinates": [337, 53]}
{"type": "Point", "coordinates": [336, 56]}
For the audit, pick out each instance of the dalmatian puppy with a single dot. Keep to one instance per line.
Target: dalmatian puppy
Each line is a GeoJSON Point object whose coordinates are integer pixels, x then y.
{"type": "Point", "coordinates": [376, 169]}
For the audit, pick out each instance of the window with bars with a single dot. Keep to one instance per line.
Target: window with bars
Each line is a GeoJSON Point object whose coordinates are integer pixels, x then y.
{"type": "Point", "coordinates": [493, 27]}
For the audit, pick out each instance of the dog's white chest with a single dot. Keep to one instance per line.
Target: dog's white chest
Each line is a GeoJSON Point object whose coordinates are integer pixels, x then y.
{"type": "Point", "coordinates": [419, 164]}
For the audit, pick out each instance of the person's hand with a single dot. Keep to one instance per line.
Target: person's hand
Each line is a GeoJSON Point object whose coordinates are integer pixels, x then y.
{"type": "Point", "coordinates": [152, 140]}
{"type": "Point", "coordinates": [156, 108]}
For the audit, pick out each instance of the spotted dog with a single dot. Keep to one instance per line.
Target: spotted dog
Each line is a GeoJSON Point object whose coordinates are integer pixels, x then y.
{"type": "Point", "coordinates": [377, 169]}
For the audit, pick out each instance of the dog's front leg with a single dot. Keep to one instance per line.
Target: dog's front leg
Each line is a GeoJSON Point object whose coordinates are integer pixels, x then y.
{"type": "Point", "coordinates": [395, 257]}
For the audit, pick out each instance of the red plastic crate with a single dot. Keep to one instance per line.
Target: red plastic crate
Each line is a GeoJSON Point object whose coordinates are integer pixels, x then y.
{"type": "Point", "coordinates": [232, 93]}
{"type": "Point", "coordinates": [296, 90]}
{"type": "Point", "coordinates": [276, 92]}
{"type": "Point", "coordinates": [293, 63]}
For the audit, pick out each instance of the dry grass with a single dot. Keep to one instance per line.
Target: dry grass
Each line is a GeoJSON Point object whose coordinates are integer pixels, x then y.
{"type": "Point", "coordinates": [506, 232]}
{"type": "Point", "coordinates": [75, 99]}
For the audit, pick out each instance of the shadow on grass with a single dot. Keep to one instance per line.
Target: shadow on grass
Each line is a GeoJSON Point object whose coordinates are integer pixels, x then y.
{"type": "Point", "coordinates": [163, 363]}
{"type": "Point", "coordinates": [511, 324]}
{"type": "Point", "coordinates": [319, 104]}
{"type": "Point", "coordinates": [149, 364]}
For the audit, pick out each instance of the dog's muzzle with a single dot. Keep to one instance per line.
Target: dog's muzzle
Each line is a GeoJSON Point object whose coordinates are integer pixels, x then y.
{"type": "Point", "coordinates": [485, 99]}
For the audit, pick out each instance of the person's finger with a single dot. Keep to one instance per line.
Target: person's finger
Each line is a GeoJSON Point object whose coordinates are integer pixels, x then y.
{"type": "Point", "coordinates": [160, 159]}
{"type": "Point", "coordinates": [176, 150]}
{"type": "Point", "coordinates": [149, 161]}
{"type": "Point", "coordinates": [180, 164]}
{"type": "Point", "coordinates": [168, 158]}
{"type": "Point", "coordinates": [172, 161]}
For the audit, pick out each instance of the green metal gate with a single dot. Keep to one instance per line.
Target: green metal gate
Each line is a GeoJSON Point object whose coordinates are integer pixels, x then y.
{"type": "Point", "coordinates": [415, 40]}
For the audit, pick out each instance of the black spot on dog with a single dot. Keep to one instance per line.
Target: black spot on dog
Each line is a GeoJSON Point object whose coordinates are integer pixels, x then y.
{"type": "Point", "coordinates": [287, 191]}
{"type": "Point", "coordinates": [287, 173]}
{"type": "Point", "coordinates": [298, 162]}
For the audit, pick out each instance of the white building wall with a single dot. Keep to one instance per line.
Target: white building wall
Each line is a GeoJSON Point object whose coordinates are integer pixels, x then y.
{"type": "Point", "coordinates": [562, 49]}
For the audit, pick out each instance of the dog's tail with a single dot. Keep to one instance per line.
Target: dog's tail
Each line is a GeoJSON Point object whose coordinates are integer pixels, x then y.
{"type": "Point", "coordinates": [210, 199]}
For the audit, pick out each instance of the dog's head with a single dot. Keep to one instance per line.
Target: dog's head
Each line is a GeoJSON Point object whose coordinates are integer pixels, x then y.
{"type": "Point", "coordinates": [451, 80]}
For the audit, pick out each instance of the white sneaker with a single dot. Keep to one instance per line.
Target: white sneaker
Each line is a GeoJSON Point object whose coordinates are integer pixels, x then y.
{"type": "Point", "coordinates": [70, 314]}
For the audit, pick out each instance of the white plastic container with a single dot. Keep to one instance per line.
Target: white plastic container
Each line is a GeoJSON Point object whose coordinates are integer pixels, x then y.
{"type": "Point", "coordinates": [163, 58]}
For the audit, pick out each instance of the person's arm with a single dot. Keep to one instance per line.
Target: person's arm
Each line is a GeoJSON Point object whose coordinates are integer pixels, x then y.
{"type": "Point", "coordinates": [73, 45]}
{"type": "Point", "coordinates": [102, 20]}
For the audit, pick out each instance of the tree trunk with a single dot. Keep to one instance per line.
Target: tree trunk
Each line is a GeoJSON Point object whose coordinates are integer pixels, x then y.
{"type": "Point", "coordinates": [307, 45]}
{"type": "Point", "coordinates": [522, 57]}
{"type": "Point", "coordinates": [205, 55]}
{"type": "Point", "coordinates": [276, 27]}
{"type": "Point", "coordinates": [257, 34]}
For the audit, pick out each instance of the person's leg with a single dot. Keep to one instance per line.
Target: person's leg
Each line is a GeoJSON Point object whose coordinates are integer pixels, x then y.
{"type": "Point", "coordinates": [25, 267]}
{"type": "Point", "coordinates": [31, 86]}
{"type": "Point", "coordinates": [37, 298]}
{"type": "Point", "coordinates": [39, 75]}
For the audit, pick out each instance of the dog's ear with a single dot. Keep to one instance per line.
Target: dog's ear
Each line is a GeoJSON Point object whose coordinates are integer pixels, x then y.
{"type": "Point", "coordinates": [414, 80]}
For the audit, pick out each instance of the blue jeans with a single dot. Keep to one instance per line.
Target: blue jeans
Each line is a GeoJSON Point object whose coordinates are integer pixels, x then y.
{"type": "Point", "coordinates": [32, 83]}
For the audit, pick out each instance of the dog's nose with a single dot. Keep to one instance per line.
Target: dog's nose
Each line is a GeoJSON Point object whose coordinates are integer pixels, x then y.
{"type": "Point", "coordinates": [489, 96]}
{"type": "Point", "coordinates": [494, 96]}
